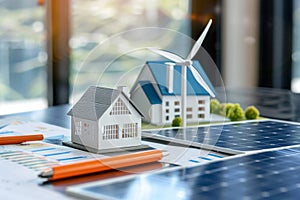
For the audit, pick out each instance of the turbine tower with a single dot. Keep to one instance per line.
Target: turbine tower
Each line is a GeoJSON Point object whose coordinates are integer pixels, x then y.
{"type": "Point", "coordinates": [184, 64]}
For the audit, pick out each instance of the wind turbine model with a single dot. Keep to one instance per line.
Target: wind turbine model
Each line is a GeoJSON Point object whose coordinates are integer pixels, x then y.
{"type": "Point", "coordinates": [187, 63]}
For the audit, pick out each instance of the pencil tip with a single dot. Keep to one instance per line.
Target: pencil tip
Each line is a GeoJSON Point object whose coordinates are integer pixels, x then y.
{"type": "Point", "coordinates": [165, 153]}
{"type": "Point", "coordinates": [48, 173]}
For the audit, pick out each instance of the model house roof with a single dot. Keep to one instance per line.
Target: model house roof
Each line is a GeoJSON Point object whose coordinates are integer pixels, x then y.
{"type": "Point", "coordinates": [159, 71]}
{"type": "Point", "coordinates": [150, 92]}
{"type": "Point", "coordinates": [95, 101]}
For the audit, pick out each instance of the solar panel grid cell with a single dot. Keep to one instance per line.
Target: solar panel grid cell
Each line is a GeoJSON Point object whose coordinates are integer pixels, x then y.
{"type": "Point", "coordinates": [241, 137]}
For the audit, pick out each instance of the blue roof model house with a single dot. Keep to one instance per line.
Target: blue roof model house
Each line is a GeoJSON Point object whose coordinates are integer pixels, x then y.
{"type": "Point", "coordinates": [157, 93]}
{"type": "Point", "coordinates": [105, 118]}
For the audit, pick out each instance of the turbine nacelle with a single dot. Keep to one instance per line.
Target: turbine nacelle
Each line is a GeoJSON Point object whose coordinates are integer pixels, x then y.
{"type": "Point", "coordinates": [185, 63]}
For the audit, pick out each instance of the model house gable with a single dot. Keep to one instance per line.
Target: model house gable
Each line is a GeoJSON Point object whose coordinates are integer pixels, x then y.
{"type": "Point", "coordinates": [119, 108]}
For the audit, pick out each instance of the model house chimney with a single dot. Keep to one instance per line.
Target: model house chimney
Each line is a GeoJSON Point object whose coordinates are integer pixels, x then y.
{"type": "Point", "coordinates": [125, 90]}
{"type": "Point", "coordinates": [170, 75]}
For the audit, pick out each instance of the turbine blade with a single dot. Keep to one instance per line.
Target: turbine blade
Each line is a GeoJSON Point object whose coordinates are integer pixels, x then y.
{"type": "Point", "coordinates": [199, 42]}
{"type": "Point", "coordinates": [200, 80]}
{"type": "Point", "coordinates": [166, 54]}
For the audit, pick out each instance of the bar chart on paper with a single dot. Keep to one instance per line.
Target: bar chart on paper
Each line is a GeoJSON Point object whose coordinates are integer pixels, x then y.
{"type": "Point", "coordinates": [39, 155]}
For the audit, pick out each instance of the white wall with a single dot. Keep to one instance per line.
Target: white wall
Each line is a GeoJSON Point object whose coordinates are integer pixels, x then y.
{"type": "Point", "coordinates": [240, 43]}
{"type": "Point", "coordinates": [87, 134]}
{"type": "Point", "coordinates": [192, 102]}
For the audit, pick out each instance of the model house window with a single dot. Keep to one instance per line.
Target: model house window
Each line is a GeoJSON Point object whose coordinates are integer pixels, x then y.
{"type": "Point", "coordinates": [120, 108]}
{"type": "Point", "coordinates": [78, 128]}
{"type": "Point", "coordinates": [200, 101]}
{"type": "Point", "coordinates": [189, 109]}
{"type": "Point", "coordinates": [167, 110]}
{"type": "Point", "coordinates": [167, 103]}
{"type": "Point", "coordinates": [176, 110]}
{"type": "Point", "coordinates": [201, 116]}
{"type": "Point", "coordinates": [129, 130]}
{"type": "Point", "coordinates": [177, 116]}
{"type": "Point", "coordinates": [189, 116]}
{"type": "Point", "coordinates": [176, 103]}
{"type": "Point", "coordinates": [167, 118]}
{"type": "Point", "coordinates": [111, 132]}
{"type": "Point", "coordinates": [201, 109]}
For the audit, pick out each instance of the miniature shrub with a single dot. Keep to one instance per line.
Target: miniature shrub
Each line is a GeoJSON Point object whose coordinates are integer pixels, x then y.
{"type": "Point", "coordinates": [235, 113]}
{"type": "Point", "coordinates": [176, 122]}
{"type": "Point", "coordinates": [227, 108]}
{"type": "Point", "coordinates": [251, 112]}
{"type": "Point", "coordinates": [214, 106]}
{"type": "Point", "coordinates": [222, 110]}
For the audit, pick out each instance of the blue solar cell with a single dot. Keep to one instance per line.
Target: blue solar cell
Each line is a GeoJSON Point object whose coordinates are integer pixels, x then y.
{"type": "Point", "coordinates": [241, 136]}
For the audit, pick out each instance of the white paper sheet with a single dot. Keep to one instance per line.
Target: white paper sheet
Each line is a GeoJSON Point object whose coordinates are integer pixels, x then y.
{"type": "Point", "coordinates": [185, 156]}
{"type": "Point", "coordinates": [21, 126]}
{"type": "Point", "coordinates": [18, 182]}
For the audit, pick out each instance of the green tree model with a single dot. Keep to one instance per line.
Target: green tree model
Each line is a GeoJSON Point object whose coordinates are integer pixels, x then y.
{"type": "Point", "coordinates": [227, 108]}
{"type": "Point", "coordinates": [222, 110]}
{"type": "Point", "coordinates": [176, 122]}
{"type": "Point", "coordinates": [233, 111]}
{"type": "Point", "coordinates": [251, 112]}
{"type": "Point", "coordinates": [214, 106]}
{"type": "Point", "coordinates": [236, 113]}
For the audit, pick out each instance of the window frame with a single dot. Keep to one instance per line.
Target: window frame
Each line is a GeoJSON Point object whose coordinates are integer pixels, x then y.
{"type": "Point", "coordinates": [58, 32]}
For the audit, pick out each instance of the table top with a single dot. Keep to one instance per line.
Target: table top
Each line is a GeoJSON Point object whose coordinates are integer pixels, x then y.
{"type": "Point", "coordinates": [56, 115]}
{"type": "Point", "coordinates": [272, 103]}
{"type": "Point", "coordinates": [211, 180]}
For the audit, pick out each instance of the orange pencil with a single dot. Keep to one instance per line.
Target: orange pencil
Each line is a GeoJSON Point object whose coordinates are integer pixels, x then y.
{"type": "Point", "coordinates": [20, 138]}
{"type": "Point", "coordinates": [110, 174]}
{"type": "Point", "coordinates": [98, 165]}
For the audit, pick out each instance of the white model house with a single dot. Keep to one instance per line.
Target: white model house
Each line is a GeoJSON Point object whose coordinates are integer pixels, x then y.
{"type": "Point", "coordinates": [105, 118]}
{"type": "Point", "coordinates": [157, 93]}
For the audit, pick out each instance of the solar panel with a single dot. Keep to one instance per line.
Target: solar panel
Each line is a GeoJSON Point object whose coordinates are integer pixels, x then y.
{"type": "Point", "coordinates": [265, 175]}
{"type": "Point", "coordinates": [235, 137]}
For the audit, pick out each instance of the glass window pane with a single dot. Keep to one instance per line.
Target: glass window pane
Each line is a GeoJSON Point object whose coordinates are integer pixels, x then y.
{"type": "Point", "coordinates": [296, 48]}
{"type": "Point", "coordinates": [97, 21]}
{"type": "Point", "coordinates": [22, 56]}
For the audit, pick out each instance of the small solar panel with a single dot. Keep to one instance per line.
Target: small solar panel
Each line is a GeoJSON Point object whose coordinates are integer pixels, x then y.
{"type": "Point", "coordinates": [265, 175]}
{"type": "Point", "coordinates": [234, 137]}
